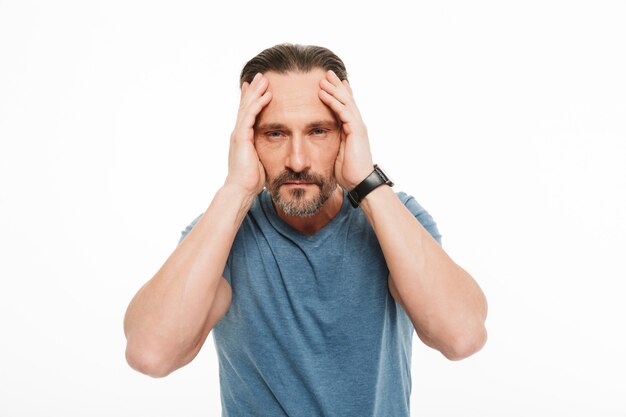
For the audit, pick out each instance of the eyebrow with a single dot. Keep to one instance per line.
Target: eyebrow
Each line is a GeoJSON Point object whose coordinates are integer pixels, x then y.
{"type": "Point", "coordinates": [311, 125]}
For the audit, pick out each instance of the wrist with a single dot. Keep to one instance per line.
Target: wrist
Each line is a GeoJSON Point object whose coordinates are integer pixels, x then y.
{"type": "Point", "coordinates": [237, 193]}
{"type": "Point", "coordinates": [358, 178]}
{"type": "Point", "coordinates": [374, 180]}
{"type": "Point", "coordinates": [375, 197]}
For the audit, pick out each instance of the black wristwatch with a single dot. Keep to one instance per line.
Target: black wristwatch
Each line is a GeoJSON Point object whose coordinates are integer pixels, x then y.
{"type": "Point", "coordinates": [374, 180]}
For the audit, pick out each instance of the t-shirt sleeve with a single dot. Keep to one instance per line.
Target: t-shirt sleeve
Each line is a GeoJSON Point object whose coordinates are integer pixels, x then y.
{"type": "Point", "coordinates": [421, 215]}
{"type": "Point", "coordinates": [184, 233]}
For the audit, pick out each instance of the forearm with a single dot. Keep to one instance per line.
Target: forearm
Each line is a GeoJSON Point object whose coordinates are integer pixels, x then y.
{"type": "Point", "coordinates": [166, 319]}
{"type": "Point", "coordinates": [444, 303]}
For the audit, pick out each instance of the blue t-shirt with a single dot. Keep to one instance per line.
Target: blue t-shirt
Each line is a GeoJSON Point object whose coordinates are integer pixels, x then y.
{"type": "Point", "coordinates": [312, 329]}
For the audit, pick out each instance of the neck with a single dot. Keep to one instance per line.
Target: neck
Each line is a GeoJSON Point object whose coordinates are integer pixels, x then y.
{"type": "Point", "coordinates": [313, 224]}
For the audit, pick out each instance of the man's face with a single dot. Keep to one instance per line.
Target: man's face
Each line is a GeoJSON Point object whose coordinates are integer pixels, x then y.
{"type": "Point", "coordinates": [297, 139]}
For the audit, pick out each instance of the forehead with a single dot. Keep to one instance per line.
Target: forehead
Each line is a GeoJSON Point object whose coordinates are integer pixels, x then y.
{"type": "Point", "coordinates": [295, 98]}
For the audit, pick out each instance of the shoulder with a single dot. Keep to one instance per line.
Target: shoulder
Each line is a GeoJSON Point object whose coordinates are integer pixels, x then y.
{"type": "Point", "coordinates": [255, 211]}
{"type": "Point", "coordinates": [411, 203]}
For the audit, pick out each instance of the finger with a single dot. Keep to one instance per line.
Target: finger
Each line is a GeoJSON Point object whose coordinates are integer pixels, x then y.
{"type": "Point", "coordinates": [256, 89]}
{"type": "Point", "coordinates": [257, 80]}
{"type": "Point", "coordinates": [261, 102]}
{"type": "Point", "coordinates": [256, 77]}
{"type": "Point", "coordinates": [251, 113]}
{"type": "Point", "coordinates": [347, 84]}
{"type": "Point", "coordinates": [260, 83]}
{"type": "Point", "coordinates": [333, 78]}
{"type": "Point", "coordinates": [339, 92]}
{"type": "Point", "coordinates": [244, 88]}
{"type": "Point", "coordinates": [338, 107]}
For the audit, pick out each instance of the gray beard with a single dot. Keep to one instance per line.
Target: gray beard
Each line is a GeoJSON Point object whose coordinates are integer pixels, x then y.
{"type": "Point", "coordinates": [298, 206]}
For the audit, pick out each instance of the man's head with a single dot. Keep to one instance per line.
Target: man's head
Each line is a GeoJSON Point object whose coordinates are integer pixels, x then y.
{"type": "Point", "coordinates": [297, 136]}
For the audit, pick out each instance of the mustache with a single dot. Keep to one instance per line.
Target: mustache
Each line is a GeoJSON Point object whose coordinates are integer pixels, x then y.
{"type": "Point", "coordinates": [288, 176]}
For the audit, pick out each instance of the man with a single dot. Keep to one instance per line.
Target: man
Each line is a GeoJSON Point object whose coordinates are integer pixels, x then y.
{"type": "Point", "coordinates": [312, 292]}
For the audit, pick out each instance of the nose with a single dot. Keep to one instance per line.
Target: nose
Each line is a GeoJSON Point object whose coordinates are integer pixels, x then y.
{"type": "Point", "coordinates": [298, 158]}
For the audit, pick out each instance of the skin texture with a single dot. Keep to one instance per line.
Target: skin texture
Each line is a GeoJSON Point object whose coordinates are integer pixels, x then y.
{"type": "Point", "coordinates": [297, 139]}
{"type": "Point", "coordinates": [299, 136]}
{"type": "Point", "coordinates": [302, 136]}
{"type": "Point", "coordinates": [311, 129]}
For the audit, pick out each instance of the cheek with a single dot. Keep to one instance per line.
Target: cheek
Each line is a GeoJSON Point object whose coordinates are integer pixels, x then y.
{"type": "Point", "coordinates": [327, 157]}
{"type": "Point", "coordinates": [336, 147]}
{"type": "Point", "coordinates": [267, 156]}
{"type": "Point", "coordinates": [333, 150]}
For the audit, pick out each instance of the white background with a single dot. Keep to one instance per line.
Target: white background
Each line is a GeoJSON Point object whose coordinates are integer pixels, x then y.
{"type": "Point", "coordinates": [506, 120]}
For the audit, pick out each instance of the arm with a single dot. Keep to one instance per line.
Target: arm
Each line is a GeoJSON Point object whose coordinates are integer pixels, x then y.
{"type": "Point", "coordinates": [171, 316]}
{"type": "Point", "coordinates": [445, 305]}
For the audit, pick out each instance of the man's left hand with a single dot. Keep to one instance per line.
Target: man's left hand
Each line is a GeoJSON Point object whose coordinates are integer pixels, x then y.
{"type": "Point", "coordinates": [354, 160]}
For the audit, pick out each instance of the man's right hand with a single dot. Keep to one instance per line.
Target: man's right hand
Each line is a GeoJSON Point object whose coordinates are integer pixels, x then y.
{"type": "Point", "coordinates": [245, 170]}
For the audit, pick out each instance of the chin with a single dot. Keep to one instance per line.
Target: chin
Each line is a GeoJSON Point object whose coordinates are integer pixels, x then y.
{"type": "Point", "coordinates": [297, 203]}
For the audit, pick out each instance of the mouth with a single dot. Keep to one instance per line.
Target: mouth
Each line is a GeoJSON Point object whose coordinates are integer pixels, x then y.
{"type": "Point", "coordinates": [297, 180]}
{"type": "Point", "coordinates": [298, 185]}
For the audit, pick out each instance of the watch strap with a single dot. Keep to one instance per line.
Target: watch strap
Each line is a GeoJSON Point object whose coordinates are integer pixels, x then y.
{"type": "Point", "coordinates": [373, 181]}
